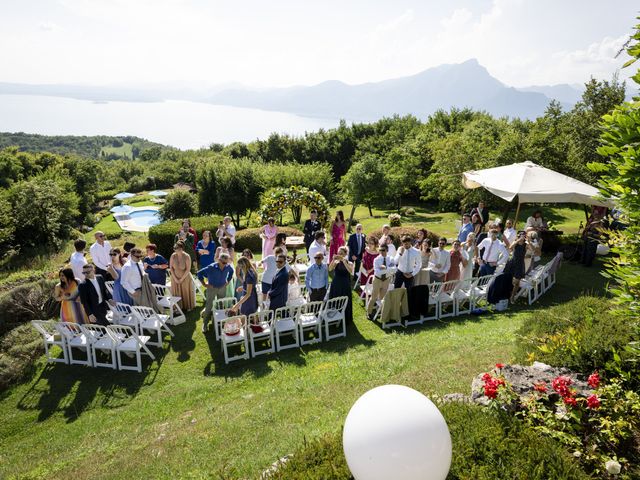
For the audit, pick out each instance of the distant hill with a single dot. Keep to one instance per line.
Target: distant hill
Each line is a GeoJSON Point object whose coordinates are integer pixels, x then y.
{"type": "Point", "coordinates": [564, 93]}
{"type": "Point", "coordinates": [93, 147]}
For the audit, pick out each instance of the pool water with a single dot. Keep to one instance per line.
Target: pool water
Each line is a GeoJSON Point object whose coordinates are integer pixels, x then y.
{"type": "Point", "coordinates": [145, 218]}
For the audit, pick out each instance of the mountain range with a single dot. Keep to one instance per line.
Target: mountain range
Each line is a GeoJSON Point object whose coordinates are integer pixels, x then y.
{"type": "Point", "coordinates": [466, 84]}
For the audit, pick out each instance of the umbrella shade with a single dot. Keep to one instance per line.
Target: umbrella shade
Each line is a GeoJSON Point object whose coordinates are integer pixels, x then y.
{"type": "Point", "coordinates": [158, 193]}
{"type": "Point", "coordinates": [121, 209]}
{"type": "Point", "coordinates": [123, 195]}
{"type": "Point", "coordinates": [533, 184]}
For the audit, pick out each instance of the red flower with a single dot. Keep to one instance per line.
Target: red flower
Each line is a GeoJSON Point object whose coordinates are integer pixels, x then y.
{"type": "Point", "coordinates": [490, 391]}
{"type": "Point", "coordinates": [561, 385]}
{"type": "Point", "coordinates": [570, 401]}
{"type": "Point", "coordinates": [593, 401]}
{"type": "Point", "coordinates": [499, 365]}
{"type": "Point", "coordinates": [486, 377]}
{"type": "Point", "coordinates": [594, 380]}
{"type": "Point", "coordinates": [540, 387]}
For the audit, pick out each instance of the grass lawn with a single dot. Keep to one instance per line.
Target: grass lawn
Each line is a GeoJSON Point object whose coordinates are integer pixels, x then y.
{"type": "Point", "coordinates": [125, 150]}
{"type": "Point", "coordinates": [188, 415]}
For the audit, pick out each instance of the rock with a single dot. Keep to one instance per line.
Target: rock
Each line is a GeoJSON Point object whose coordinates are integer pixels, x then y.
{"type": "Point", "coordinates": [272, 470]}
{"type": "Point", "coordinates": [456, 397]}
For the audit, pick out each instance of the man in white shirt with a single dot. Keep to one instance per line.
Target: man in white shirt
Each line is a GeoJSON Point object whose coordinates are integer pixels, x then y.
{"type": "Point", "coordinates": [319, 245]}
{"type": "Point", "coordinates": [493, 253]}
{"type": "Point", "coordinates": [409, 262]}
{"type": "Point", "coordinates": [77, 260]}
{"type": "Point", "coordinates": [131, 274]}
{"type": "Point", "coordinates": [439, 262]}
{"type": "Point", "coordinates": [509, 233]}
{"type": "Point", "coordinates": [382, 271]}
{"type": "Point", "coordinates": [100, 255]}
{"type": "Point", "coordinates": [227, 229]}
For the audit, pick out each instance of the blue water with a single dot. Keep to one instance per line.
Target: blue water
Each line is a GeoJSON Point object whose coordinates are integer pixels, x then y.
{"type": "Point", "coordinates": [145, 218]}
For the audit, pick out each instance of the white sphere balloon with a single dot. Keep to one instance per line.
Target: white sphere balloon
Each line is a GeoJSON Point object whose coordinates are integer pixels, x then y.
{"type": "Point", "coordinates": [395, 432]}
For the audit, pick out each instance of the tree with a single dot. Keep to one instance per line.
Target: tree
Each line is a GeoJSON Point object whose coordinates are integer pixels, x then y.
{"type": "Point", "coordinates": [179, 204]}
{"type": "Point", "coordinates": [7, 226]}
{"type": "Point", "coordinates": [365, 183]}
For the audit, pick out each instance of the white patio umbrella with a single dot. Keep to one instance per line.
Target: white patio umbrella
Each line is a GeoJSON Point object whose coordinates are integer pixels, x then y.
{"type": "Point", "coordinates": [533, 184]}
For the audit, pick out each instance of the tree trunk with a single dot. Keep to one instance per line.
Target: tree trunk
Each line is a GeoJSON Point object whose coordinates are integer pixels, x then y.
{"type": "Point", "coordinates": [353, 211]}
{"type": "Point", "coordinates": [370, 211]}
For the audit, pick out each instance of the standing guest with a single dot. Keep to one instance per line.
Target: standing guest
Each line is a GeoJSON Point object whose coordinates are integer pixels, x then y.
{"type": "Point", "coordinates": [482, 212]}
{"type": "Point", "coordinates": [386, 230]}
{"type": "Point", "coordinates": [341, 284]}
{"type": "Point", "coordinates": [591, 237]}
{"type": "Point", "coordinates": [294, 294]}
{"type": "Point", "coordinates": [131, 275]}
{"type": "Point", "coordinates": [317, 278]}
{"type": "Point", "coordinates": [338, 233]}
{"type": "Point", "coordinates": [390, 246]}
{"type": "Point", "coordinates": [493, 253]}
{"type": "Point", "coordinates": [408, 262]}
{"type": "Point", "coordinates": [535, 222]}
{"type": "Point", "coordinates": [227, 229]}
{"type": "Point", "coordinates": [476, 221]}
{"type": "Point", "coordinates": [509, 234]}
{"type": "Point", "coordinates": [248, 302]}
{"type": "Point", "coordinates": [268, 234]}
{"type": "Point", "coordinates": [279, 292]}
{"type": "Point", "coordinates": [440, 262]}
{"type": "Point", "coordinates": [246, 253]}
{"type": "Point", "coordinates": [120, 295]}
{"type": "Point", "coordinates": [270, 269]}
{"type": "Point", "coordinates": [534, 250]}
{"type": "Point", "coordinates": [319, 245]}
{"type": "Point", "coordinates": [457, 261]}
{"type": "Point", "coordinates": [518, 248]}
{"type": "Point", "coordinates": [382, 266]}
{"type": "Point", "coordinates": [187, 238]}
{"type": "Point", "coordinates": [281, 242]}
{"type": "Point", "coordinates": [206, 249]}
{"type": "Point", "coordinates": [469, 252]}
{"type": "Point", "coordinates": [311, 227]}
{"type": "Point", "coordinates": [181, 280]}
{"type": "Point", "coordinates": [421, 235]}
{"type": "Point", "coordinates": [186, 225]}
{"type": "Point", "coordinates": [219, 276]}
{"type": "Point", "coordinates": [77, 260]}
{"type": "Point", "coordinates": [66, 292]}
{"type": "Point", "coordinates": [226, 247]}
{"type": "Point", "coordinates": [94, 296]}
{"type": "Point", "coordinates": [357, 244]}
{"type": "Point", "coordinates": [369, 255]}
{"type": "Point", "coordinates": [155, 265]}
{"type": "Point", "coordinates": [425, 252]}
{"type": "Point", "coordinates": [100, 255]}
{"type": "Point", "coordinates": [466, 228]}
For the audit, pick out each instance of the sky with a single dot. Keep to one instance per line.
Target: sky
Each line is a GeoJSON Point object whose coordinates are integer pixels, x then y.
{"type": "Point", "coordinates": [201, 43]}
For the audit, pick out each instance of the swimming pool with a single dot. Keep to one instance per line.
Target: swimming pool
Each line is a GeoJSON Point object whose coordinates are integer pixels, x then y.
{"type": "Point", "coordinates": [145, 218]}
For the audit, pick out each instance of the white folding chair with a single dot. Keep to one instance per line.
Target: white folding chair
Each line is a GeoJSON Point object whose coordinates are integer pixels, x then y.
{"type": "Point", "coordinates": [169, 303]}
{"type": "Point", "coordinates": [480, 290]}
{"type": "Point", "coordinates": [131, 344]}
{"type": "Point", "coordinates": [550, 278]}
{"type": "Point", "coordinates": [301, 265]}
{"type": "Point", "coordinates": [124, 315]}
{"type": "Point", "coordinates": [220, 307]}
{"type": "Point", "coordinates": [433, 307]}
{"type": "Point", "coordinates": [310, 320]}
{"type": "Point", "coordinates": [333, 315]}
{"type": "Point", "coordinates": [201, 290]}
{"type": "Point", "coordinates": [286, 325]}
{"type": "Point", "coordinates": [234, 334]}
{"type": "Point", "coordinates": [447, 299]}
{"type": "Point", "coordinates": [109, 285]}
{"type": "Point", "coordinates": [260, 330]}
{"type": "Point", "coordinates": [532, 284]}
{"type": "Point", "coordinates": [464, 296]}
{"type": "Point", "coordinates": [51, 337]}
{"type": "Point", "coordinates": [101, 341]}
{"type": "Point", "coordinates": [367, 288]}
{"type": "Point", "coordinates": [76, 340]}
{"type": "Point", "coordinates": [152, 322]}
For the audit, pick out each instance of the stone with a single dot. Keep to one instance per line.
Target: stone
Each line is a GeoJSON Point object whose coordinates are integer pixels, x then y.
{"type": "Point", "coordinates": [456, 397]}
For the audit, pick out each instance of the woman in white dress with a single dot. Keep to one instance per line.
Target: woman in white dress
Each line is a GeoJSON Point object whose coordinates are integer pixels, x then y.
{"type": "Point", "coordinates": [469, 251]}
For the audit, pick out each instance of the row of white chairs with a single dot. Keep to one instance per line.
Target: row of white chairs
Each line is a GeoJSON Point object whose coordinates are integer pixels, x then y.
{"type": "Point", "coordinates": [539, 280]}
{"type": "Point", "coordinates": [287, 327]}
{"type": "Point", "coordinates": [166, 301]}
{"type": "Point", "coordinates": [85, 344]}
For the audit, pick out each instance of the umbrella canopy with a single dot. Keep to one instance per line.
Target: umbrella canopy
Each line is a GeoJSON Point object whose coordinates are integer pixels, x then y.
{"type": "Point", "coordinates": [533, 184]}
{"type": "Point", "coordinates": [158, 193]}
{"type": "Point", "coordinates": [123, 195]}
{"type": "Point", "coordinates": [121, 209]}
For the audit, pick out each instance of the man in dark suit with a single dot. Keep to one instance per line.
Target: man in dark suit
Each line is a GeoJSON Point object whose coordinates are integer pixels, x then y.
{"type": "Point", "coordinates": [482, 212]}
{"type": "Point", "coordinates": [94, 296]}
{"type": "Point", "coordinates": [357, 243]}
{"type": "Point", "coordinates": [311, 226]}
{"type": "Point", "coordinates": [279, 285]}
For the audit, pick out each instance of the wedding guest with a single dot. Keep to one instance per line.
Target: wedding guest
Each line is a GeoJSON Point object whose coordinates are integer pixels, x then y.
{"type": "Point", "coordinates": [66, 292]}
{"type": "Point", "coordinates": [509, 233]}
{"type": "Point", "coordinates": [279, 291]}
{"type": "Point", "coordinates": [518, 248]}
{"type": "Point", "coordinates": [317, 278]}
{"type": "Point", "coordinates": [338, 233]}
{"type": "Point", "coordinates": [482, 212]}
{"type": "Point", "coordinates": [408, 263]}
{"type": "Point", "coordinates": [369, 255]}
{"type": "Point", "coordinates": [120, 295]}
{"type": "Point", "coordinates": [294, 295]}
{"type": "Point", "coordinates": [386, 230]}
{"type": "Point", "coordinates": [131, 275]}
{"type": "Point", "coordinates": [218, 276]}
{"type": "Point", "coordinates": [311, 227]}
{"type": "Point", "coordinates": [319, 245]}
{"type": "Point", "coordinates": [269, 264]}
{"type": "Point", "coordinates": [478, 227]}
{"type": "Point", "coordinates": [390, 246]}
{"type": "Point", "coordinates": [535, 222]}
{"type": "Point", "coordinates": [268, 234]}
{"type": "Point", "coordinates": [457, 262]}
{"type": "Point", "coordinates": [226, 247]}
{"type": "Point", "coordinates": [534, 250]}
{"type": "Point", "coordinates": [341, 284]}
{"type": "Point", "coordinates": [227, 229]}
{"type": "Point", "coordinates": [466, 228]}
{"type": "Point", "coordinates": [357, 244]}
{"type": "Point", "coordinates": [77, 260]}
{"type": "Point", "coordinates": [421, 235]}
{"type": "Point", "coordinates": [248, 302]}
{"type": "Point", "coordinates": [246, 253]}
{"type": "Point", "coordinates": [186, 225]}
{"type": "Point", "coordinates": [100, 255]}
{"type": "Point", "coordinates": [493, 253]}
{"type": "Point", "coordinates": [187, 238]}
{"type": "Point", "coordinates": [440, 262]}
{"type": "Point", "coordinates": [382, 268]}
{"type": "Point", "coordinates": [469, 251]}
{"type": "Point", "coordinates": [155, 265]}
{"type": "Point", "coordinates": [206, 250]}
{"type": "Point", "coordinates": [281, 242]}
{"type": "Point", "coordinates": [94, 296]}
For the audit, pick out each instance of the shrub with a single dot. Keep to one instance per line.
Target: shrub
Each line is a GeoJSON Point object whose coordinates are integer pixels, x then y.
{"type": "Point", "coordinates": [30, 301]}
{"type": "Point", "coordinates": [179, 204]}
{"type": "Point", "coordinates": [486, 446]}
{"type": "Point", "coordinates": [581, 334]}
{"type": "Point", "coordinates": [19, 350]}
{"type": "Point", "coordinates": [395, 220]}
{"type": "Point", "coordinates": [116, 202]}
{"type": "Point", "coordinates": [399, 232]}
{"type": "Point", "coordinates": [407, 211]}
{"type": "Point", "coordinates": [250, 238]}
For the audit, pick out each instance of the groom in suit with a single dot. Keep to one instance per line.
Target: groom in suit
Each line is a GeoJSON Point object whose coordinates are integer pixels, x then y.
{"type": "Point", "coordinates": [279, 292]}
{"type": "Point", "coordinates": [357, 243]}
{"type": "Point", "coordinates": [94, 296]}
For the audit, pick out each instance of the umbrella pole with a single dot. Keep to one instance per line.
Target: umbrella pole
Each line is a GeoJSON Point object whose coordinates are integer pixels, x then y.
{"type": "Point", "coordinates": [515, 220]}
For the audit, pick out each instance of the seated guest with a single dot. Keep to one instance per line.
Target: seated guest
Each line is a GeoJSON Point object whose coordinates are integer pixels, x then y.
{"type": "Point", "coordinates": [357, 243]}
{"type": "Point", "coordinates": [408, 262]}
{"type": "Point", "coordinates": [482, 212]}
{"type": "Point", "coordinates": [317, 278]}
{"type": "Point", "coordinates": [225, 247]}
{"type": "Point", "coordinates": [269, 265]}
{"type": "Point", "coordinates": [218, 276]}
{"type": "Point", "coordinates": [457, 262]}
{"type": "Point", "coordinates": [386, 230]}
{"type": "Point", "coordinates": [77, 260]}
{"type": "Point", "coordinates": [206, 250]}
{"type": "Point", "coordinates": [131, 275]}
{"type": "Point", "coordinates": [509, 234]}
{"type": "Point", "coordinates": [383, 266]}
{"type": "Point", "coordinates": [492, 253]}
{"type": "Point", "coordinates": [341, 284]}
{"type": "Point", "coordinates": [248, 302]}
{"type": "Point", "coordinates": [294, 295]}
{"type": "Point", "coordinates": [535, 222]}
{"type": "Point", "coordinates": [155, 265]}
{"type": "Point", "coordinates": [94, 296]}
{"type": "Point", "coordinates": [319, 245]}
{"type": "Point", "coordinates": [66, 292]}
{"type": "Point", "coordinates": [100, 255]}
{"type": "Point", "coordinates": [226, 229]}
{"type": "Point", "coordinates": [390, 246]}
{"type": "Point", "coordinates": [279, 292]}
{"type": "Point", "coordinates": [466, 228]}
{"type": "Point", "coordinates": [439, 262]}
{"type": "Point", "coordinates": [311, 227]}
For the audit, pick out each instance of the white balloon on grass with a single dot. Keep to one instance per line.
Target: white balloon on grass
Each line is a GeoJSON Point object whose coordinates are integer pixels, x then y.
{"type": "Point", "coordinates": [394, 432]}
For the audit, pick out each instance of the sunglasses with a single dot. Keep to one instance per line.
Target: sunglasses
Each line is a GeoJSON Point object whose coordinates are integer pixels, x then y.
{"type": "Point", "coordinates": [113, 254]}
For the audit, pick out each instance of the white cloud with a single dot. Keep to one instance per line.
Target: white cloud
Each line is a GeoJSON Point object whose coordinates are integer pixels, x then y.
{"type": "Point", "coordinates": [48, 27]}
{"type": "Point", "coordinates": [400, 21]}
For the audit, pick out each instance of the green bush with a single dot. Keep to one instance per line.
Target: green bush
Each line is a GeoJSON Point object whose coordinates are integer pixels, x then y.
{"type": "Point", "coordinates": [19, 350]}
{"type": "Point", "coordinates": [581, 334]}
{"type": "Point", "coordinates": [395, 220]}
{"type": "Point", "coordinates": [486, 446]}
{"type": "Point", "coordinates": [179, 204]}
{"type": "Point", "coordinates": [30, 301]}
{"type": "Point", "coordinates": [250, 238]}
{"type": "Point", "coordinates": [398, 232]}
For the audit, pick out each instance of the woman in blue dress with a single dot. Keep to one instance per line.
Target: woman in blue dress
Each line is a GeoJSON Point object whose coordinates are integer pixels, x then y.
{"type": "Point", "coordinates": [120, 295]}
{"type": "Point", "coordinates": [206, 250]}
{"type": "Point", "coordinates": [248, 303]}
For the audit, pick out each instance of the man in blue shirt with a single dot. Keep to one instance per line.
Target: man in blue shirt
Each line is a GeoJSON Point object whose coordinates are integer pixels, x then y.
{"type": "Point", "coordinates": [317, 279]}
{"type": "Point", "coordinates": [218, 276]}
{"type": "Point", "coordinates": [466, 229]}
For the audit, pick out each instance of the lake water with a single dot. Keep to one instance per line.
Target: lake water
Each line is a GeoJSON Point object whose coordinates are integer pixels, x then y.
{"type": "Point", "coordinates": [181, 124]}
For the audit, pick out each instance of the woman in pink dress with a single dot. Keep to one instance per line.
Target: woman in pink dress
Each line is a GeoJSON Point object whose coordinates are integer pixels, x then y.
{"type": "Point", "coordinates": [366, 267]}
{"type": "Point", "coordinates": [268, 233]}
{"type": "Point", "coordinates": [338, 232]}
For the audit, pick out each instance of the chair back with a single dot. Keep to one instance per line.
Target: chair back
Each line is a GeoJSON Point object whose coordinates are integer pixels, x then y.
{"type": "Point", "coordinates": [95, 332]}
{"type": "Point", "coordinates": [69, 330]}
{"type": "Point", "coordinates": [466, 285]}
{"type": "Point", "coordinates": [555, 263]}
{"type": "Point", "coordinates": [45, 327]}
{"type": "Point", "coordinates": [123, 309]}
{"type": "Point", "coordinates": [122, 332]}
{"type": "Point", "coordinates": [313, 308]}
{"type": "Point", "coordinates": [287, 312]}
{"type": "Point", "coordinates": [262, 318]}
{"type": "Point", "coordinates": [161, 290]}
{"type": "Point", "coordinates": [450, 287]}
{"type": "Point", "coordinates": [434, 289]}
{"type": "Point", "coordinates": [483, 282]}
{"type": "Point", "coordinates": [109, 284]}
{"type": "Point", "coordinates": [144, 312]}
{"type": "Point", "coordinates": [337, 304]}
{"type": "Point", "coordinates": [224, 303]}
